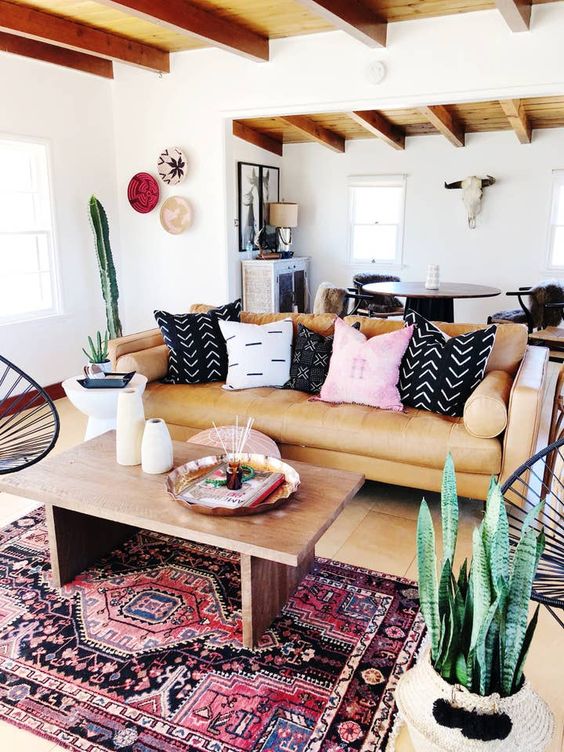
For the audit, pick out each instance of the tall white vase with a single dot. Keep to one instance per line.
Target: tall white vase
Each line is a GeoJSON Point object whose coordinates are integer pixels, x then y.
{"type": "Point", "coordinates": [156, 448]}
{"type": "Point", "coordinates": [130, 423]}
{"type": "Point", "coordinates": [432, 281]}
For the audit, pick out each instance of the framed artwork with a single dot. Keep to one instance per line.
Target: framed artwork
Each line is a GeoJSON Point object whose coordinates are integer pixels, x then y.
{"type": "Point", "coordinates": [258, 185]}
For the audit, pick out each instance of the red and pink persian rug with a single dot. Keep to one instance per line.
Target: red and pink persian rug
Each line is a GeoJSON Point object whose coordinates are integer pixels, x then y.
{"type": "Point", "coordinates": [143, 653]}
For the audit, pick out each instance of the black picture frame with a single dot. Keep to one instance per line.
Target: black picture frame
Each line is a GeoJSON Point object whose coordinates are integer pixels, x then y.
{"type": "Point", "coordinates": [257, 185]}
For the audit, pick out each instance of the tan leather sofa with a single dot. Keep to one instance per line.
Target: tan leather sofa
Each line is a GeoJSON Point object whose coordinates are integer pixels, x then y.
{"type": "Point", "coordinates": [497, 433]}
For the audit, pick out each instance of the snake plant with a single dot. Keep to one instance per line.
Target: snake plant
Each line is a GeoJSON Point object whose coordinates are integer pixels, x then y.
{"type": "Point", "coordinates": [108, 280]}
{"type": "Point", "coordinates": [477, 621]}
{"type": "Point", "coordinates": [97, 350]}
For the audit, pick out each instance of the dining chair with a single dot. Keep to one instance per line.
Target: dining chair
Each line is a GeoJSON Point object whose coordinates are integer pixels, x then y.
{"type": "Point", "coordinates": [375, 306]}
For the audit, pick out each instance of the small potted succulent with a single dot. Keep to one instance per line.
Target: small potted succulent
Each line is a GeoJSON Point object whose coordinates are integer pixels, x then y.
{"type": "Point", "coordinates": [468, 690]}
{"type": "Point", "coordinates": [97, 352]}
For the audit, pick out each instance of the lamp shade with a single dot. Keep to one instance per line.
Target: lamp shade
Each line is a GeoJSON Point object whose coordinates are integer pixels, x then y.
{"type": "Point", "coordinates": [283, 215]}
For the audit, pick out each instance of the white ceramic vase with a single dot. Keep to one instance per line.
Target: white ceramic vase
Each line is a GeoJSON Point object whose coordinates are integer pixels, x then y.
{"type": "Point", "coordinates": [433, 277]}
{"type": "Point", "coordinates": [130, 423]}
{"type": "Point", "coordinates": [532, 723]}
{"type": "Point", "coordinates": [156, 448]}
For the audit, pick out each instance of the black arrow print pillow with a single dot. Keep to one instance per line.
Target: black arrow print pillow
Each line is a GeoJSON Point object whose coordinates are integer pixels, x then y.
{"type": "Point", "coordinates": [196, 348]}
{"type": "Point", "coordinates": [439, 373]}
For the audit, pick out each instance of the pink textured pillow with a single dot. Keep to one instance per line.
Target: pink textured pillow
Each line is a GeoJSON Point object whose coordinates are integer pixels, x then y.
{"type": "Point", "coordinates": [365, 371]}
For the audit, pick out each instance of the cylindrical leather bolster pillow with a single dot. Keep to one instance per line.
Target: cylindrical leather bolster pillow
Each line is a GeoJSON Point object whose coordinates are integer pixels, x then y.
{"type": "Point", "coordinates": [485, 411]}
{"type": "Point", "coordinates": [152, 363]}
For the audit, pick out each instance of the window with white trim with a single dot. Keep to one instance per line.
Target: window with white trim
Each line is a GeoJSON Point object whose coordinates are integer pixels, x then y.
{"type": "Point", "coordinates": [556, 229]}
{"type": "Point", "coordinates": [376, 218]}
{"type": "Point", "coordinates": [28, 279]}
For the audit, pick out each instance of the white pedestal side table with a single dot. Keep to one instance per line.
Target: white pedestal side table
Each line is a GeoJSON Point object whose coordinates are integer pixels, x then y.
{"type": "Point", "coordinates": [100, 405]}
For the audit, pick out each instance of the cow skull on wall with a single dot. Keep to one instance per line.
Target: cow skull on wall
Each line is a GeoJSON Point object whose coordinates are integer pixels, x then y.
{"type": "Point", "coordinates": [472, 189]}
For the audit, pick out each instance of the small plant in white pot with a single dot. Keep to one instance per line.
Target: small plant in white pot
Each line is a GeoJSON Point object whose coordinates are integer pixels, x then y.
{"type": "Point", "coordinates": [468, 691]}
{"type": "Point", "coordinates": [97, 352]}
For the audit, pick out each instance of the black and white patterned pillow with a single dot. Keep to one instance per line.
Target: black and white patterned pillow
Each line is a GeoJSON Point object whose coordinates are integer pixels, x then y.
{"type": "Point", "coordinates": [196, 348]}
{"type": "Point", "coordinates": [439, 373]}
{"type": "Point", "coordinates": [310, 361]}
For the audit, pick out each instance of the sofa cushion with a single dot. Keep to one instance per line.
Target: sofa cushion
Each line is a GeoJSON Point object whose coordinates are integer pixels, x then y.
{"type": "Point", "coordinates": [259, 354]}
{"type": "Point", "coordinates": [439, 373]}
{"type": "Point", "coordinates": [365, 371]}
{"type": "Point", "coordinates": [196, 347]}
{"type": "Point", "coordinates": [414, 437]}
{"type": "Point", "coordinates": [485, 412]}
{"type": "Point", "coordinates": [508, 351]}
{"type": "Point", "coordinates": [310, 361]}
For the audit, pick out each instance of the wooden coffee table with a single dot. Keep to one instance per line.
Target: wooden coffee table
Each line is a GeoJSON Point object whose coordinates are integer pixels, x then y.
{"type": "Point", "coordinates": [93, 504]}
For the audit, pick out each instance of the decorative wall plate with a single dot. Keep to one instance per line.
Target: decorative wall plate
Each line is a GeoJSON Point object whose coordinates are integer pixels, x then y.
{"type": "Point", "coordinates": [172, 165]}
{"type": "Point", "coordinates": [176, 214]}
{"type": "Point", "coordinates": [143, 192]}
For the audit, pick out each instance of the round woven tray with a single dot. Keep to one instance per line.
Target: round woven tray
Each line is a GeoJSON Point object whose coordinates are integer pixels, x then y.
{"type": "Point", "coordinates": [180, 477]}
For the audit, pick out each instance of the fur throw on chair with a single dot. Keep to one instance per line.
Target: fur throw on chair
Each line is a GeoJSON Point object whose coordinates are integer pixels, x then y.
{"type": "Point", "coordinates": [548, 291]}
{"type": "Point", "coordinates": [329, 299]}
{"type": "Point", "coordinates": [381, 303]}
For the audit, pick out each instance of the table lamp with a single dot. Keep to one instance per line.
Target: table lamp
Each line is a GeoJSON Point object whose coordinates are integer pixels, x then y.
{"type": "Point", "coordinates": [283, 216]}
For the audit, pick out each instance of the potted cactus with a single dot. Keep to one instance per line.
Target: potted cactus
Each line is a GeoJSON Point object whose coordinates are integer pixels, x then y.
{"type": "Point", "coordinates": [97, 352]}
{"type": "Point", "coordinates": [468, 690]}
{"type": "Point", "coordinates": [106, 266]}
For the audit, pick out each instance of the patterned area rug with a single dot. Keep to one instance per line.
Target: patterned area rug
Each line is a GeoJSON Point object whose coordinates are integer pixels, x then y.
{"type": "Point", "coordinates": [143, 653]}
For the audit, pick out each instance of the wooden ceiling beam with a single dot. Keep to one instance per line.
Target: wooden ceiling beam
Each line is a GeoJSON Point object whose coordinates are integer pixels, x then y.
{"type": "Point", "coordinates": [381, 127]}
{"type": "Point", "coordinates": [353, 17]}
{"type": "Point", "coordinates": [185, 18]}
{"type": "Point", "coordinates": [317, 132]}
{"type": "Point", "coordinates": [49, 53]}
{"type": "Point", "coordinates": [244, 131]}
{"type": "Point", "coordinates": [33, 24]}
{"type": "Point", "coordinates": [515, 112]}
{"type": "Point", "coordinates": [445, 122]}
{"type": "Point", "coordinates": [516, 13]}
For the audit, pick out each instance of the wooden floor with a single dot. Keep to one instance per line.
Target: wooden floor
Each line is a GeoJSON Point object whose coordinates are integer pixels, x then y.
{"type": "Point", "coordinates": [376, 530]}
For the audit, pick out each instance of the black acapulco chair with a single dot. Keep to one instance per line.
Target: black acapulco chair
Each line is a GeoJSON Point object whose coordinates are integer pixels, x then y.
{"type": "Point", "coordinates": [541, 478]}
{"type": "Point", "coordinates": [29, 422]}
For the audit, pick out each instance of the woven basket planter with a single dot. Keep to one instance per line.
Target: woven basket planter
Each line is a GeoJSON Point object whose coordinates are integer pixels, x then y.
{"type": "Point", "coordinates": [419, 688]}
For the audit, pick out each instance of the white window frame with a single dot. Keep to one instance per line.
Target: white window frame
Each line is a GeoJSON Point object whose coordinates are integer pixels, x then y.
{"type": "Point", "coordinates": [377, 181]}
{"type": "Point", "coordinates": [50, 233]}
{"type": "Point", "coordinates": [557, 183]}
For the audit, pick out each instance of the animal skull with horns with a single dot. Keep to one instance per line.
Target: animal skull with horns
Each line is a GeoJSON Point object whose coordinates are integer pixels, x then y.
{"type": "Point", "coordinates": [472, 190]}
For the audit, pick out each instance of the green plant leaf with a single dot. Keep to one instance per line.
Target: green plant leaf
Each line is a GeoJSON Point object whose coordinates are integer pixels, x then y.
{"type": "Point", "coordinates": [481, 585]}
{"type": "Point", "coordinates": [490, 523]}
{"type": "Point", "coordinates": [499, 558]}
{"type": "Point", "coordinates": [106, 267]}
{"type": "Point", "coordinates": [518, 679]}
{"type": "Point", "coordinates": [460, 670]}
{"type": "Point", "coordinates": [449, 509]}
{"type": "Point", "coordinates": [524, 563]}
{"type": "Point", "coordinates": [426, 563]}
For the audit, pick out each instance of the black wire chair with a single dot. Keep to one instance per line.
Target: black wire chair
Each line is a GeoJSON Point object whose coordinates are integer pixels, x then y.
{"type": "Point", "coordinates": [29, 422]}
{"type": "Point", "coordinates": [541, 478]}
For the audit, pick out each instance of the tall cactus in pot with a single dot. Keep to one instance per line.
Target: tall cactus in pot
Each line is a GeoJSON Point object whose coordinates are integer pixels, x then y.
{"type": "Point", "coordinates": [106, 266]}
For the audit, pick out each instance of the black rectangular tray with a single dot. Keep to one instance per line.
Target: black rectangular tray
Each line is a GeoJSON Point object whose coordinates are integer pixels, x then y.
{"type": "Point", "coordinates": [110, 381]}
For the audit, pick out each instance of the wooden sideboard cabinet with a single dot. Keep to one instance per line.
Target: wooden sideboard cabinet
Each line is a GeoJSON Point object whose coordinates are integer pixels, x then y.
{"type": "Point", "coordinates": [278, 286]}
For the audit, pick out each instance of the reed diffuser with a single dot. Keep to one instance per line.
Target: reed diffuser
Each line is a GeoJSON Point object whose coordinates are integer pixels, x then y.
{"type": "Point", "coordinates": [238, 440]}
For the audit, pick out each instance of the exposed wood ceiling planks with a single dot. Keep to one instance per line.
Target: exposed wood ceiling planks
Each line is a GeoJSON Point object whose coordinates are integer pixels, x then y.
{"type": "Point", "coordinates": [354, 17]}
{"type": "Point", "coordinates": [38, 25]}
{"type": "Point", "coordinates": [49, 53]}
{"type": "Point", "coordinates": [445, 122]}
{"type": "Point", "coordinates": [241, 26]}
{"type": "Point", "coordinates": [518, 119]}
{"type": "Point", "coordinates": [453, 120]}
{"type": "Point", "coordinates": [378, 125]}
{"type": "Point", "coordinates": [184, 17]}
{"type": "Point", "coordinates": [241, 130]}
{"type": "Point", "coordinates": [316, 132]}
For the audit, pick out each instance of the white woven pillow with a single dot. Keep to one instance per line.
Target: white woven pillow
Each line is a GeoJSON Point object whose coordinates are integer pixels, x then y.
{"type": "Point", "coordinates": [259, 355]}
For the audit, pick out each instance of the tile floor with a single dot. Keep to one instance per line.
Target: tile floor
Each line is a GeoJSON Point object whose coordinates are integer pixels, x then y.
{"type": "Point", "coordinates": [376, 530]}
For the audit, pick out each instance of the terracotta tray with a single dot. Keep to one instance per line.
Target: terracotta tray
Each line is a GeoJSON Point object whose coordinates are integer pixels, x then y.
{"type": "Point", "coordinates": [177, 480]}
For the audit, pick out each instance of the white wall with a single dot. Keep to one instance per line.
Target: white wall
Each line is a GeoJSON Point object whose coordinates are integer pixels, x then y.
{"type": "Point", "coordinates": [455, 58]}
{"type": "Point", "coordinates": [507, 249]}
{"type": "Point", "coordinates": [72, 111]}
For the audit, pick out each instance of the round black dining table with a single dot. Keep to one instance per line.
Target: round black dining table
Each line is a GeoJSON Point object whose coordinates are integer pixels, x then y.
{"type": "Point", "coordinates": [435, 305]}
